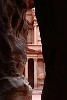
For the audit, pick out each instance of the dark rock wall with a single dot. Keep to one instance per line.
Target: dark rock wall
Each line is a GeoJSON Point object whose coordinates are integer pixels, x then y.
{"type": "Point", "coordinates": [30, 4]}
{"type": "Point", "coordinates": [13, 32]}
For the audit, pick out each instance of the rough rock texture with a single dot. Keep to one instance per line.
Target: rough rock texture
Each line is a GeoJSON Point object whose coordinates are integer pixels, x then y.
{"type": "Point", "coordinates": [30, 4]}
{"type": "Point", "coordinates": [13, 31]}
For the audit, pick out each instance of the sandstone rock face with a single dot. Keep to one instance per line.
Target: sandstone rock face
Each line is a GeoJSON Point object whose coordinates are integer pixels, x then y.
{"type": "Point", "coordinates": [13, 32]}
{"type": "Point", "coordinates": [30, 3]}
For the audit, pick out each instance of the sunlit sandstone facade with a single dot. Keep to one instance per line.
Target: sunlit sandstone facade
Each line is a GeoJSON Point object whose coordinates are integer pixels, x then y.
{"type": "Point", "coordinates": [35, 67]}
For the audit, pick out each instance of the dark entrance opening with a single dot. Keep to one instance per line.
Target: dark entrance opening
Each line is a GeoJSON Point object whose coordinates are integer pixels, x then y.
{"type": "Point", "coordinates": [31, 72]}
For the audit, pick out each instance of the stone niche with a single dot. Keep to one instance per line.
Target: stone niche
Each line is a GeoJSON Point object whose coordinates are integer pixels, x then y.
{"type": "Point", "coordinates": [41, 73]}
{"type": "Point", "coordinates": [13, 45]}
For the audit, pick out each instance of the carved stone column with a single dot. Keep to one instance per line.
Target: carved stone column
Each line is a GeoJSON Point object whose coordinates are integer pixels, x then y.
{"type": "Point", "coordinates": [35, 26]}
{"type": "Point", "coordinates": [44, 70]}
{"type": "Point", "coordinates": [26, 70]}
{"type": "Point", "coordinates": [35, 35]}
{"type": "Point", "coordinates": [35, 73]}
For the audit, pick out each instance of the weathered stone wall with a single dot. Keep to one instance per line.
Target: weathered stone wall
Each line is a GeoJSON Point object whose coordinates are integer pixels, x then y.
{"type": "Point", "coordinates": [13, 32]}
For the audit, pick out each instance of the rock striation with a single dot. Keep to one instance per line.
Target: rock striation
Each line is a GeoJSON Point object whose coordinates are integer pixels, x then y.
{"type": "Point", "coordinates": [13, 45]}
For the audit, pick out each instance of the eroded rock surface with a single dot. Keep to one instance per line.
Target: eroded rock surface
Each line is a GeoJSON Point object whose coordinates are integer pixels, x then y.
{"type": "Point", "coordinates": [13, 31]}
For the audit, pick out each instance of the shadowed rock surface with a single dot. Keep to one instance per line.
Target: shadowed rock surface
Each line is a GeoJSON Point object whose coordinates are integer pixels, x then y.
{"type": "Point", "coordinates": [13, 32]}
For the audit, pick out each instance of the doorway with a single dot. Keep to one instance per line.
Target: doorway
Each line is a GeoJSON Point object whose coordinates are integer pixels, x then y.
{"type": "Point", "coordinates": [31, 72]}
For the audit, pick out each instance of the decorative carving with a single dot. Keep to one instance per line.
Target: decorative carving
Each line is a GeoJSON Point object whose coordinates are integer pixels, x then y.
{"type": "Point", "coordinates": [41, 76]}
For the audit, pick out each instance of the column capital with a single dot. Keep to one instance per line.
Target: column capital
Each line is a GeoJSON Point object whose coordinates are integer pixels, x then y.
{"type": "Point", "coordinates": [28, 59]}
{"type": "Point", "coordinates": [35, 23]}
{"type": "Point", "coordinates": [35, 59]}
